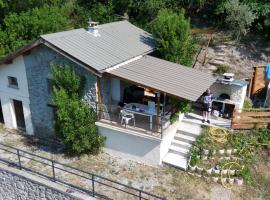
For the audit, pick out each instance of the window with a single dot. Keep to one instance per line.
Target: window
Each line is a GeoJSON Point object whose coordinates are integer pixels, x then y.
{"type": "Point", "coordinates": [12, 81]}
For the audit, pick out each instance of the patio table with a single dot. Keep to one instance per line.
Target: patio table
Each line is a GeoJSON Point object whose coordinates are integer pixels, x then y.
{"type": "Point", "coordinates": [141, 109]}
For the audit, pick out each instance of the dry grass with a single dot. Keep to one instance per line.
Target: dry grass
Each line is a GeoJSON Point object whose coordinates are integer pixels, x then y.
{"type": "Point", "coordinates": [164, 181]}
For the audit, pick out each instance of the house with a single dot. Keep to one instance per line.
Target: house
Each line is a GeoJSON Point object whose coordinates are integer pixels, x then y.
{"type": "Point", "coordinates": [130, 89]}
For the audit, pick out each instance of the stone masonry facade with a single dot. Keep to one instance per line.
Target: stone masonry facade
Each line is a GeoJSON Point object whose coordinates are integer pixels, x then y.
{"type": "Point", "coordinates": [15, 187]}
{"type": "Point", "coordinates": [38, 70]}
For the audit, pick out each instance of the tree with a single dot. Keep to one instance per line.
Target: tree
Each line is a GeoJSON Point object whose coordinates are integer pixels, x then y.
{"type": "Point", "coordinates": [174, 37]}
{"type": "Point", "coordinates": [22, 28]}
{"type": "Point", "coordinates": [74, 119]}
{"type": "Point", "coordinates": [238, 16]}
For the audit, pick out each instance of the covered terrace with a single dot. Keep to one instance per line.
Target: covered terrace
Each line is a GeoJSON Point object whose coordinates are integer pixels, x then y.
{"type": "Point", "coordinates": [146, 88]}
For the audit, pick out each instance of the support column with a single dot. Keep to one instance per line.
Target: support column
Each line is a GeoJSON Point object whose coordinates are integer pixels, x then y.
{"type": "Point", "coordinates": [158, 110]}
{"type": "Point", "coordinates": [99, 100]}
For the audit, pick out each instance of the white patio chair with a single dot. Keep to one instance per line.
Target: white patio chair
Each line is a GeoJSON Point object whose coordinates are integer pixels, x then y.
{"type": "Point", "coordinates": [126, 117]}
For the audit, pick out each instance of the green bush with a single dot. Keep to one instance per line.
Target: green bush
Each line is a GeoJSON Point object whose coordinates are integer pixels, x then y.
{"type": "Point", "coordinates": [222, 68]}
{"type": "Point", "coordinates": [74, 119]}
{"type": "Point", "coordinates": [247, 104]}
{"type": "Point", "coordinates": [194, 154]}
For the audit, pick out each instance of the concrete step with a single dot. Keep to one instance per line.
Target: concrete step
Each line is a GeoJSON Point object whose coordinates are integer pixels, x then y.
{"type": "Point", "coordinates": [179, 150]}
{"type": "Point", "coordinates": [175, 160]}
{"type": "Point", "coordinates": [188, 128]}
{"type": "Point", "coordinates": [182, 144]}
{"type": "Point", "coordinates": [184, 138]}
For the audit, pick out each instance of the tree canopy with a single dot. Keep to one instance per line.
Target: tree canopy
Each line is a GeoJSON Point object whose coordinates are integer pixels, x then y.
{"type": "Point", "coordinates": [173, 33]}
{"type": "Point", "coordinates": [23, 21]}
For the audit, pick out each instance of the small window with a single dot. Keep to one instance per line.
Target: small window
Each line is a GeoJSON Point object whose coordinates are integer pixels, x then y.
{"type": "Point", "coordinates": [12, 81]}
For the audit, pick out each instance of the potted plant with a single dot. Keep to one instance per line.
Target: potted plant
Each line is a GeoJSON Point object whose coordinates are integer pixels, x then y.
{"type": "Point", "coordinates": [209, 171]}
{"type": "Point", "coordinates": [215, 178]}
{"type": "Point", "coordinates": [221, 151]}
{"type": "Point", "coordinates": [229, 152]}
{"type": "Point", "coordinates": [230, 180]}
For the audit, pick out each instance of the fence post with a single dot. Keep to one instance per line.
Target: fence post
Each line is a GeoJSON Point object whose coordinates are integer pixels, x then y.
{"type": "Point", "coordinates": [140, 194]}
{"type": "Point", "coordinates": [53, 170]}
{"type": "Point", "coordinates": [93, 185]}
{"type": "Point", "coordinates": [19, 159]}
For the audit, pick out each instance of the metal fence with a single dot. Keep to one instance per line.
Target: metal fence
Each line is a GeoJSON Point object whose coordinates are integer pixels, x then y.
{"type": "Point", "coordinates": [141, 122]}
{"type": "Point", "coordinates": [90, 183]}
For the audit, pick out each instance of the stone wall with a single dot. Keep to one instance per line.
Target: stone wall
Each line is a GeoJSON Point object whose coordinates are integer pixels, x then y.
{"type": "Point", "coordinates": [38, 69]}
{"type": "Point", "coordinates": [15, 187]}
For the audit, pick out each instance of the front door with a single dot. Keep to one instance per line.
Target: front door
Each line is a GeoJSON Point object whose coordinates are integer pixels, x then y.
{"type": "Point", "coordinates": [1, 114]}
{"type": "Point", "coordinates": [18, 107]}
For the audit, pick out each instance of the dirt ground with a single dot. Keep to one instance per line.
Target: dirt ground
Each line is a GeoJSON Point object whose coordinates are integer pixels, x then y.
{"type": "Point", "coordinates": [165, 181]}
{"type": "Point", "coordinates": [240, 56]}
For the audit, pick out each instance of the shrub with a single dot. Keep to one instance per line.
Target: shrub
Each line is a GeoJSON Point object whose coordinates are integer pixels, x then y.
{"type": "Point", "coordinates": [222, 68]}
{"type": "Point", "coordinates": [247, 104]}
{"type": "Point", "coordinates": [194, 156]}
{"type": "Point", "coordinates": [74, 119]}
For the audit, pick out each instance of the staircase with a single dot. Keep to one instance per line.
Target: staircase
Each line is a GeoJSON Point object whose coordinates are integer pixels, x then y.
{"type": "Point", "coordinates": [178, 153]}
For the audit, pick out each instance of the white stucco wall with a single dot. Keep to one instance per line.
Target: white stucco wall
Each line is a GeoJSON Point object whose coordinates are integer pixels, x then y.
{"type": "Point", "coordinates": [168, 137]}
{"type": "Point", "coordinates": [130, 145]}
{"type": "Point", "coordinates": [7, 94]}
{"type": "Point", "coordinates": [237, 93]}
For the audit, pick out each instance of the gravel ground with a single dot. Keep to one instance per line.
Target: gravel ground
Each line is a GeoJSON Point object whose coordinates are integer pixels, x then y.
{"type": "Point", "coordinates": [240, 56]}
{"type": "Point", "coordinates": [163, 180]}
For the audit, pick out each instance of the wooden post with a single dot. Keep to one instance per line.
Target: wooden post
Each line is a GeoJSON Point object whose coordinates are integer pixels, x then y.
{"type": "Point", "coordinates": [158, 110]}
{"type": "Point", "coordinates": [99, 101]}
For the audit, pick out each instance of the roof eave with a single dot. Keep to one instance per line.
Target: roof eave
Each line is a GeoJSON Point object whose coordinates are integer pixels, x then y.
{"type": "Point", "coordinates": [9, 58]}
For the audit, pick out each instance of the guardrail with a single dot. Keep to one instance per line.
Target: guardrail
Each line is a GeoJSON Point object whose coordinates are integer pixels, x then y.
{"type": "Point", "coordinates": [150, 126]}
{"type": "Point", "coordinates": [97, 186]}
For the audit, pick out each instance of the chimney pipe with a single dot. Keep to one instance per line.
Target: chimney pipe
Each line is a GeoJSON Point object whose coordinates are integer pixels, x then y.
{"type": "Point", "coordinates": [93, 28]}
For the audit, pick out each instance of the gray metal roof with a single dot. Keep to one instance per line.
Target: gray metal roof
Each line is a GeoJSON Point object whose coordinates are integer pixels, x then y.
{"type": "Point", "coordinates": [118, 42]}
{"type": "Point", "coordinates": [165, 76]}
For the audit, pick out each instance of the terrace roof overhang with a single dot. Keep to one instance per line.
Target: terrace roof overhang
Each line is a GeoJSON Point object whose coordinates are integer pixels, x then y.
{"type": "Point", "coordinates": [165, 77]}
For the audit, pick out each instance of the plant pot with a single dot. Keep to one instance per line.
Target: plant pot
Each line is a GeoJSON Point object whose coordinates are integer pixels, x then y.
{"type": "Point", "coordinates": [192, 168]}
{"type": "Point", "coordinates": [234, 151]}
{"type": "Point", "coordinates": [199, 169]}
{"type": "Point", "coordinates": [230, 180]}
{"type": "Point", "coordinates": [209, 171]}
{"type": "Point", "coordinates": [223, 180]}
{"type": "Point", "coordinates": [204, 158]}
{"type": "Point", "coordinates": [239, 181]}
{"type": "Point", "coordinates": [227, 158]}
{"type": "Point", "coordinates": [229, 152]}
{"type": "Point", "coordinates": [205, 151]}
{"type": "Point", "coordinates": [221, 151]}
{"type": "Point", "coordinates": [216, 171]}
{"type": "Point", "coordinates": [215, 179]}
{"type": "Point", "coordinates": [234, 158]}
{"type": "Point", "coordinates": [198, 175]}
{"type": "Point", "coordinates": [224, 171]}
{"type": "Point", "coordinates": [232, 172]}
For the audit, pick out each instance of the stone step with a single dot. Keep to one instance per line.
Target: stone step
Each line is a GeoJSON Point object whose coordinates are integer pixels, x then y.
{"type": "Point", "coordinates": [219, 59]}
{"type": "Point", "coordinates": [179, 150]}
{"type": "Point", "coordinates": [175, 160]}
{"type": "Point", "coordinates": [182, 144]}
{"type": "Point", "coordinates": [216, 62]}
{"type": "Point", "coordinates": [184, 138]}
{"type": "Point", "coordinates": [189, 128]}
